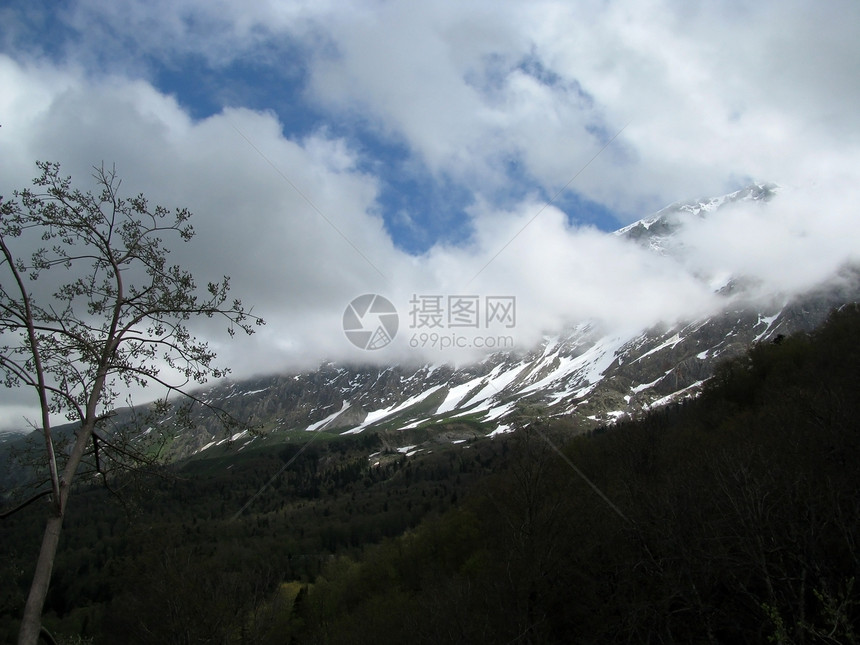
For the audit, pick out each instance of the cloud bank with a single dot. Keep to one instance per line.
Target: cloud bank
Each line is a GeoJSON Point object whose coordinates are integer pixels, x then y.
{"type": "Point", "coordinates": [286, 158]}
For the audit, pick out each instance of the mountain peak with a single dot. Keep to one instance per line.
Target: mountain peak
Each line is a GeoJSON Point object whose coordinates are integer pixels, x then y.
{"type": "Point", "coordinates": [656, 230]}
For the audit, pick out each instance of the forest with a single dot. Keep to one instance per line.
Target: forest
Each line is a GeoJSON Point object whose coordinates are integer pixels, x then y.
{"type": "Point", "coordinates": [731, 518]}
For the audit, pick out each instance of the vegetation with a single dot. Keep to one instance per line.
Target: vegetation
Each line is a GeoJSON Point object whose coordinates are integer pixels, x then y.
{"type": "Point", "coordinates": [116, 565]}
{"type": "Point", "coordinates": [89, 304]}
{"type": "Point", "coordinates": [741, 515]}
{"type": "Point", "coordinates": [739, 519]}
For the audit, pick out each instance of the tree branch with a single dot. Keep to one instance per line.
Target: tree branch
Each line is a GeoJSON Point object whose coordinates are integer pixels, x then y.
{"type": "Point", "coordinates": [25, 504]}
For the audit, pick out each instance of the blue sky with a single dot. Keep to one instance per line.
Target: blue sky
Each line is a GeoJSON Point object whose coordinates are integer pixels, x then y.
{"type": "Point", "coordinates": [330, 149]}
{"type": "Point", "coordinates": [420, 207]}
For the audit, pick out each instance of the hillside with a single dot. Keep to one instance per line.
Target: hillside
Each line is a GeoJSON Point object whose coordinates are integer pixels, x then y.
{"type": "Point", "coordinates": [731, 518]}
{"type": "Point", "coordinates": [363, 499]}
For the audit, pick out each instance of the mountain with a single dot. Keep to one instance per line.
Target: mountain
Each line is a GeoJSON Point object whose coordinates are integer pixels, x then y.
{"type": "Point", "coordinates": [658, 231]}
{"type": "Point", "coordinates": [592, 377]}
{"type": "Point", "coordinates": [586, 374]}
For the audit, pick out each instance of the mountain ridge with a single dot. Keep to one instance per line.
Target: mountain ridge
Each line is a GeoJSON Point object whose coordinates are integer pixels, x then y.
{"type": "Point", "coordinates": [587, 373]}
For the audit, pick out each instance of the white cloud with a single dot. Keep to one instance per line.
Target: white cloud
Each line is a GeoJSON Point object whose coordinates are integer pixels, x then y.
{"type": "Point", "coordinates": [713, 95]}
{"type": "Point", "coordinates": [790, 245]}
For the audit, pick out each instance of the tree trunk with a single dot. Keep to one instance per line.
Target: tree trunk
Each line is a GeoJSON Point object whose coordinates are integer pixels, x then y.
{"type": "Point", "coordinates": [31, 622]}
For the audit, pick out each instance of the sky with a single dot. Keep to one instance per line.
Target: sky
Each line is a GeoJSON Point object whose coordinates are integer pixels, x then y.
{"type": "Point", "coordinates": [429, 151]}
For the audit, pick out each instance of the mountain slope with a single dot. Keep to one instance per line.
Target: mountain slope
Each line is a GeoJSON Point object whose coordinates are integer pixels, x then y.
{"type": "Point", "coordinates": [589, 374]}
{"type": "Point", "coordinates": [586, 373]}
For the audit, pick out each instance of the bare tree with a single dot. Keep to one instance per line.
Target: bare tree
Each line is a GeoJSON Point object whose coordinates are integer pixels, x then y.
{"type": "Point", "coordinates": [89, 306]}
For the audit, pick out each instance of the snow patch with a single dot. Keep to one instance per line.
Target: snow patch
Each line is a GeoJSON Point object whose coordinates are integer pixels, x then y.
{"type": "Point", "coordinates": [208, 445]}
{"type": "Point", "coordinates": [671, 342]}
{"type": "Point", "coordinates": [503, 429]}
{"type": "Point", "coordinates": [319, 425]}
{"type": "Point", "coordinates": [768, 323]}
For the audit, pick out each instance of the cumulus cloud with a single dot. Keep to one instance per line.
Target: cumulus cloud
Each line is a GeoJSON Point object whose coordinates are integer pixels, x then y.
{"type": "Point", "coordinates": [507, 101]}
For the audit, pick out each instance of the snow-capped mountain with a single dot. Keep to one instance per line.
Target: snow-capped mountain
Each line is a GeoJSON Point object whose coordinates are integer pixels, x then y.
{"type": "Point", "coordinates": [586, 373]}
{"type": "Point", "coordinates": [658, 231]}
{"type": "Point", "coordinates": [593, 377]}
